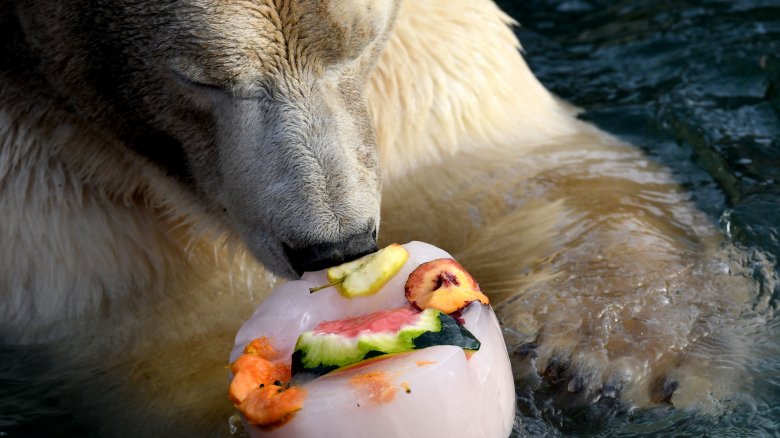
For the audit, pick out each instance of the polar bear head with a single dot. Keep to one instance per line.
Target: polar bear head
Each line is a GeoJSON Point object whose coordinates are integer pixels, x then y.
{"type": "Point", "coordinates": [255, 108]}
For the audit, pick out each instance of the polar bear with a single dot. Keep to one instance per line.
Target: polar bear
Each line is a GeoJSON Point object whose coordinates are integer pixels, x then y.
{"type": "Point", "coordinates": [164, 164]}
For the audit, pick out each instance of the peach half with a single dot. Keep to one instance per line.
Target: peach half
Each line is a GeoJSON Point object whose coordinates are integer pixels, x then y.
{"type": "Point", "coordinates": [444, 285]}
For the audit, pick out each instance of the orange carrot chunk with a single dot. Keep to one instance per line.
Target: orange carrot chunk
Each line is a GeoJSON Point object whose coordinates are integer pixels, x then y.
{"type": "Point", "coordinates": [258, 388]}
{"type": "Point", "coordinates": [272, 405]}
{"type": "Point", "coordinates": [261, 347]}
{"type": "Point", "coordinates": [252, 371]}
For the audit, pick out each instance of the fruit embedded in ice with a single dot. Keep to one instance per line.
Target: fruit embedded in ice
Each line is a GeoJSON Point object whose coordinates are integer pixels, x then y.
{"type": "Point", "coordinates": [334, 344]}
{"type": "Point", "coordinates": [442, 284]}
{"type": "Point", "coordinates": [440, 390]}
{"type": "Point", "coordinates": [272, 405]}
{"type": "Point", "coordinates": [259, 389]}
{"type": "Point", "coordinates": [366, 275]}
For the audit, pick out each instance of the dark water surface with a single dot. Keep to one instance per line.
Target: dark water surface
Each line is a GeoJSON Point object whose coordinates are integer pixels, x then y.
{"type": "Point", "coordinates": [696, 84]}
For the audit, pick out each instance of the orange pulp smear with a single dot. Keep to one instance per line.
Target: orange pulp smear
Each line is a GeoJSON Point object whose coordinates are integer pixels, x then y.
{"type": "Point", "coordinates": [257, 389]}
{"type": "Point", "coordinates": [374, 387]}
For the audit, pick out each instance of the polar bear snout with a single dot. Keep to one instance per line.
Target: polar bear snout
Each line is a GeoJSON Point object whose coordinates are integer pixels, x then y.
{"type": "Point", "coordinates": [323, 255]}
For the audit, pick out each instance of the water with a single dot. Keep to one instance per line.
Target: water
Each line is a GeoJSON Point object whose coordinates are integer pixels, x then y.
{"type": "Point", "coordinates": [696, 85]}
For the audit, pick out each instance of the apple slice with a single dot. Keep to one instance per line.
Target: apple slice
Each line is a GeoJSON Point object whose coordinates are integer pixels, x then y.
{"type": "Point", "coordinates": [366, 275]}
{"type": "Point", "coordinates": [444, 285]}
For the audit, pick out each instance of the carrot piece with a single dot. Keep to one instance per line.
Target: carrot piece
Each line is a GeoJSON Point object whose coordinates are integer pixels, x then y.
{"type": "Point", "coordinates": [261, 347]}
{"type": "Point", "coordinates": [272, 406]}
{"type": "Point", "coordinates": [256, 387]}
{"type": "Point", "coordinates": [252, 371]}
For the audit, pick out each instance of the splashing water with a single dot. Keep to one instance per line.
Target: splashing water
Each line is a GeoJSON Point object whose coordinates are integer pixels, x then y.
{"type": "Point", "coordinates": [697, 87]}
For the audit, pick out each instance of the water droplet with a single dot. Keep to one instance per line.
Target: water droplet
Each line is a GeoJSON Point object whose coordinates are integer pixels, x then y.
{"type": "Point", "coordinates": [233, 424]}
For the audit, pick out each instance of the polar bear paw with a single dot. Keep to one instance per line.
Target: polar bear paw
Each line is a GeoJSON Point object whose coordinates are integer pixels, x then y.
{"type": "Point", "coordinates": [578, 346]}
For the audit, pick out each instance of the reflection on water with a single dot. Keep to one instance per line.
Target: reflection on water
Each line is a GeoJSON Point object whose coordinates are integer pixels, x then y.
{"type": "Point", "coordinates": [697, 86]}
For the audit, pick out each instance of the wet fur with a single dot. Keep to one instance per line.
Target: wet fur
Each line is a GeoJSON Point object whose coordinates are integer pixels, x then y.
{"type": "Point", "coordinates": [144, 286]}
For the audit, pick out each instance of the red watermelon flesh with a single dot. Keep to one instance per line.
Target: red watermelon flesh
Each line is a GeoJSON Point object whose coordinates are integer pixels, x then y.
{"type": "Point", "coordinates": [334, 344]}
{"type": "Point", "coordinates": [383, 321]}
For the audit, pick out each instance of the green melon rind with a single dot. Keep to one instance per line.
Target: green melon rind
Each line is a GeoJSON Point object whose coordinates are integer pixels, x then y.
{"type": "Point", "coordinates": [451, 333]}
{"type": "Point", "coordinates": [322, 353]}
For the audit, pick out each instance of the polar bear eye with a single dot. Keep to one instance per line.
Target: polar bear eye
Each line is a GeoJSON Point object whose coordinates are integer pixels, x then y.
{"type": "Point", "coordinates": [196, 83]}
{"type": "Point", "coordinates": [249, 90]}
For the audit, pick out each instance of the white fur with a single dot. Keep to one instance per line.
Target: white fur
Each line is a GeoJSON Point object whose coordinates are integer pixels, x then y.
{"type": "Point", "coordinates": [452, 79]}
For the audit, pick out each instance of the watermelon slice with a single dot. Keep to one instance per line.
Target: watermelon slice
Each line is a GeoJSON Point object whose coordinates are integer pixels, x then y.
{"type": "Point", "coordinates": [334, 344]}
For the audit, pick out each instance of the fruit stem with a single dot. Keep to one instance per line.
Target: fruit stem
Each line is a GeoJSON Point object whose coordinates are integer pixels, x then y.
{"type": "Point", "coordinates": [325, 286]}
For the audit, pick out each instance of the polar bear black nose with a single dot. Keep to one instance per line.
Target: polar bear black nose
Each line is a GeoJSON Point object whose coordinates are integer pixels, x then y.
{"type": "Point", "coordinates": [325, 255]}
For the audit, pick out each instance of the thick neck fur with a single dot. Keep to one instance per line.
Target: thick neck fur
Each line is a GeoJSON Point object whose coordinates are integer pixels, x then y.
{"type": "Point", "coordinates": [69, 248]}
{"type": "Point", "coordinates": [82, 231]}
{"type": "Point", "coordinates": [425, 110]}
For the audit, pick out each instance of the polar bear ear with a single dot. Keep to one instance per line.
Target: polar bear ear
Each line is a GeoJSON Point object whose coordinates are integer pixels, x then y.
{"type": "Point", "coordinates": [362, 22]}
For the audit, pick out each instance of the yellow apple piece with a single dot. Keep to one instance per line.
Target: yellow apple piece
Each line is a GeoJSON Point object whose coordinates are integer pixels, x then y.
{"type": "Point", "coordinates": [366, 275]}
{"type": "Point", "coordinates": [444, 285]}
